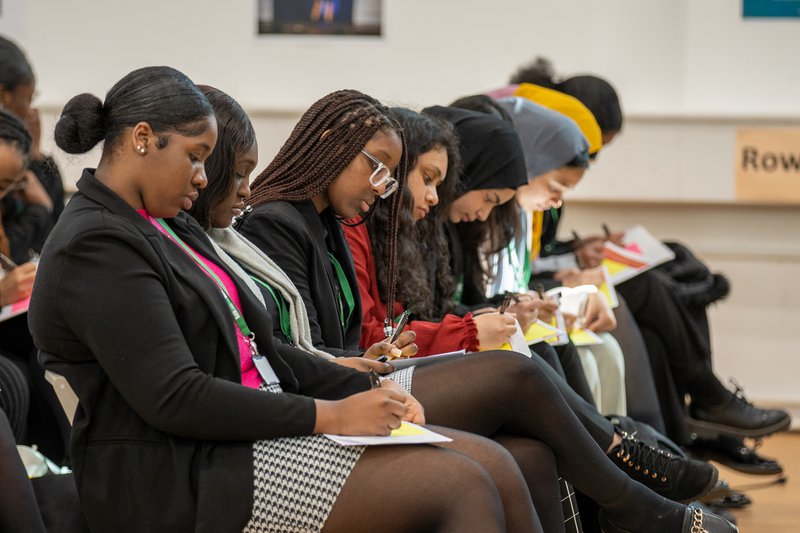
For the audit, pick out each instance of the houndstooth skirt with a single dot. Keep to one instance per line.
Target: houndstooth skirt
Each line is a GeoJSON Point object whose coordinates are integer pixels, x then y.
{"type": "Point", "coordinates": [296, 480]}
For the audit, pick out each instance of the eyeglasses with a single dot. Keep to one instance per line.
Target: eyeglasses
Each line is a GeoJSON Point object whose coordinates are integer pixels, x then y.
{"type": "Point", "coordinates": [381, 176]}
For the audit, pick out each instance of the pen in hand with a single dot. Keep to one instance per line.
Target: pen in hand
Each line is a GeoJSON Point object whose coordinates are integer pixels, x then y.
{"type": "Point", "coordinates": [540, 291]}
{"type": "Point", "coordinates": [606, 230]}
{"type": "Point", "coordinates": [6, 263]}
{"type": "Point", "coordinates": [506, 302]}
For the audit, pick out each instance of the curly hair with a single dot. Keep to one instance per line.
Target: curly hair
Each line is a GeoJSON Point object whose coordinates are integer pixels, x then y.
{"type": "Point", "coordinates": [427, 294]}
{"type": "Point", "coordinates": [328, 136]}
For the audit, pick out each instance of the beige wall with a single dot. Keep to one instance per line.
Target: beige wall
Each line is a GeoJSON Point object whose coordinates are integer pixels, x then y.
{"type": "Point", "coordinates": [689, 74]}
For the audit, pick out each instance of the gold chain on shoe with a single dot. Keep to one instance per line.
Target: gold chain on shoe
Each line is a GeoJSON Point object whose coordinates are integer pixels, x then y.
{"type": "Point", "coordinates": [697, 524]}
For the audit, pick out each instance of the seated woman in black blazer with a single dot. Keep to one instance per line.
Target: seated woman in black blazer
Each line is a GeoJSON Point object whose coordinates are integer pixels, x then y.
{"type": "Point", "coordinates": [157, 336]}
{"type": "Point", "coordinates": [321, 176]}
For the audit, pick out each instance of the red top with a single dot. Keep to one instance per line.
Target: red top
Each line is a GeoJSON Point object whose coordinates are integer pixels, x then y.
{"type": "Point", "coordinates": [451, 334]}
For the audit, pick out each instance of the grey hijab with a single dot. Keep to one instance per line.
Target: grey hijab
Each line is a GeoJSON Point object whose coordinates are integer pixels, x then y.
{"type": "Point", "coordinates": [549, 139]}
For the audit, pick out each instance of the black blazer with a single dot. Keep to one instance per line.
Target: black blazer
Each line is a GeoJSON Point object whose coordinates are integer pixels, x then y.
{"type": "Point", "coordinates": [298, 239]}
{"type": "Point", "coordinates": [162, 439]}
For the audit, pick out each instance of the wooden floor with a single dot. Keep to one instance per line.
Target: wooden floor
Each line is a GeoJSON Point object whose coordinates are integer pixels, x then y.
{"type": "Point", "coordinates": [776, 508]}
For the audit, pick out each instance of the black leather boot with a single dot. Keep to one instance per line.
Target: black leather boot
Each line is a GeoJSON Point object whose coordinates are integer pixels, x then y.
{"type": "Point", "coordinates": [736, 418]}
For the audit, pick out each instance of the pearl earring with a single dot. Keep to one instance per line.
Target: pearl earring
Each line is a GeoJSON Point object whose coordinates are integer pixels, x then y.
{"type": "Point", "coordinates": [142, 149]}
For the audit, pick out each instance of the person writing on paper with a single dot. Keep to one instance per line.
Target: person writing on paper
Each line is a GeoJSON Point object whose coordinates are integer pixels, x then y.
{"type": "Point", "coordinates": [15, 143]}
{"type": "Point", "coordinates": [17, 89]}
{"type": "Point", "coordinates": [430, 382]}
{"type": "Point", "coordinates": [228, 168]}
{"type": "Point", "coordinates": [424, 131]}
{"type": "Point", "coordinates": [200, 447]}
{"type": "Point", "coordinates": [425, 285]}
{"type": "Point", "coordinates": [697, 285]}
{"type": "Point", "coordinates": [47, 426]}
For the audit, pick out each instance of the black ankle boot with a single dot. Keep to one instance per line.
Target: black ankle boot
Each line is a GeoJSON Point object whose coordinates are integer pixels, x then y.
{"type": "Point", "coordinates": [647, 434]}
{"type": "Point", "coordinates": [695, 520]}
{"type": "Point", "coordinates": [677, 478]}
{"type": "Point", "coordinates": [737, 418]}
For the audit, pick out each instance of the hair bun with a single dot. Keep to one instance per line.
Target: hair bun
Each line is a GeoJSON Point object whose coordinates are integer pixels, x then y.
{"type": "Point", "coordinates": [81, 125]}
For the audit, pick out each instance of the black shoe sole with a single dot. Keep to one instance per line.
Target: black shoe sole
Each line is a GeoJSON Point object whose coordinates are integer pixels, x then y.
{"type": "Point", "coordinates": [709, 486]}
{"type": "Point", "coordinates": [724, 460]}
{"type": "Point", "coordinates": [710, 430]}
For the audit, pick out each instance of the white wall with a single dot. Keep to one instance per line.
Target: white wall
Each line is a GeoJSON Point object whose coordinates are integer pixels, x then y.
{"type": "Point", "coordinates": [664, 55]}
{"type": "Point", "coordinates": [689, 72]}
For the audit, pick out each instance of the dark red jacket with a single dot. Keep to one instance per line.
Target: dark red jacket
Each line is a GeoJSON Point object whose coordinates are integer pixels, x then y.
{"type": "Point", "coordinates": [451, 334]}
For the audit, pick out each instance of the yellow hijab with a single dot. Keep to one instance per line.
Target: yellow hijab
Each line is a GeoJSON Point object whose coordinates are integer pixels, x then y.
{"type": "Point", "coordinates": [566, 105]}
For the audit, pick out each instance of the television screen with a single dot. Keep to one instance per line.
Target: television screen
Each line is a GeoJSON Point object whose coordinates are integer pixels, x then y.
{"type": "Point", "coordinates": [320, 17]}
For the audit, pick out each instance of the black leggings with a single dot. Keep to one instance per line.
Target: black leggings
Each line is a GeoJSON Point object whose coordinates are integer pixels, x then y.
{"type": "Point", "coordinates": [503, 393]}
{"type": "Point", "coordinates": [640, 388]}
{"type": "Point", "coordinates": [660, 313]}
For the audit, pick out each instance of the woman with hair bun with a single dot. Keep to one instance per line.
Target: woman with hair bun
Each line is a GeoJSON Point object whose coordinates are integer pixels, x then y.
{"type": "Point", "coordinates": [190, 417]}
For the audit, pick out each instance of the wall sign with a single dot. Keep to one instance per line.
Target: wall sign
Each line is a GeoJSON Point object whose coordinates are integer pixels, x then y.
{"type": "Point", "coordinates": [768, 165]}
{"type": "Point", "coordinates": [771, 8]}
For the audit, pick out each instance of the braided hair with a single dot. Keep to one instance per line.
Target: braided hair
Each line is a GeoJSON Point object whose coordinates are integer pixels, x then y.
{"type": "Point", "coordinates": [327, 138]}
{"type": "Point", "coordinates": [14, 133]}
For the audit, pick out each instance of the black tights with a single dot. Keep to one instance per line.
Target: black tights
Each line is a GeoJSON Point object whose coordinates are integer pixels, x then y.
{"type": "Point", "coordinates": [640, 387]}
{"type": "Point", "coordinates": [502, 393]}
{"type": "Point", "coordinates": [422, 488]}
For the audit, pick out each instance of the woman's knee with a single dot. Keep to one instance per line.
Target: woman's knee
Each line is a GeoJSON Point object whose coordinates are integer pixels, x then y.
{"type": "Point", "coordinates": [513, 365]}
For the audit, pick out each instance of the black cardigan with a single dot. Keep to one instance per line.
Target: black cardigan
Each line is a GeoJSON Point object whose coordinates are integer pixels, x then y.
{"type": "Point", "coordinates": [162, 439]}
{"type": "Point", "coordinates": [298, 239]}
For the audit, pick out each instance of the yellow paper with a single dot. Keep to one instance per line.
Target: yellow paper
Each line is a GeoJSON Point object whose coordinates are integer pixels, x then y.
{"type": "Point", "coordinates": [582, 337]}
{"type": "Point", "coordinates": [407, 430]}
{"type": "Point", "coordinates": [607, 289]}
{"type": "Point", "coordinates": [615, 267]}
{"type": "Point", "coordinates": [538, 331]}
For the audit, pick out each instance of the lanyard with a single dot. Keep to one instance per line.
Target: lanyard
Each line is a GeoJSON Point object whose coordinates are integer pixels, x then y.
{"type": "Point", "coordinates": [237, 316]}
{"type": "Point", "coordinates": [283, 308]}
{"type": "Point", "coordinates": [262, 365]}
{"type": "Point", "coordinates": [536, 234]}
{"type": "Point", "coordinates": [345, 291]}
{"type": "Point", "coordinates": [521, 284]}
{"type": "Point", "coordinates": [459, 292]}
{"type": "Point", "coordinates": [552, 244]}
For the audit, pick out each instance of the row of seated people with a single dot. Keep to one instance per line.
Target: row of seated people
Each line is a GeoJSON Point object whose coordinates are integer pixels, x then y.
{"type": "Point", "coordinates": [131, 291]}
{"type": "Point", "coordinates": [31, 201]}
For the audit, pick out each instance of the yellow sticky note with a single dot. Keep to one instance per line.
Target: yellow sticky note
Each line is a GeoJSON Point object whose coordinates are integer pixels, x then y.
{"type": "Point", "coordinates": [407, 430]}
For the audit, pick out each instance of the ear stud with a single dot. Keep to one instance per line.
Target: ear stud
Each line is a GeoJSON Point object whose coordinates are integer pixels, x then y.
{"type": "Point", "coordinates": [142, 150]}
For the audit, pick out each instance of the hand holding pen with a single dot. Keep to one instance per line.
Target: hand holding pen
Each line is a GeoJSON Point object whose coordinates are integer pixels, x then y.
{"type": "Point", "coordinates": [398, 344]}
{"type": "Point", "coordinates": [17, 283]}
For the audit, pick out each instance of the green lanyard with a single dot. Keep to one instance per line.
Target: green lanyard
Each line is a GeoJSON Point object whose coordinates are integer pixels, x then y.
{"type": "Point", "coordinates": [283, 309]}
{"type": "Point", "coordinates": [237, 316]}
{"type": "Point", "coordinates": [345, 291]}
{"type": "Point", "coordinates": [552, 244]}
{"type": "Point", "coordinates": [459, 291]}
{"type": "Point", "coordinates": [522, 284]}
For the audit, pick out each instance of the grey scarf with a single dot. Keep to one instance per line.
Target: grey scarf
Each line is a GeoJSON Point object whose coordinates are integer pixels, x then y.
{"type": "Point", "coordinates": [240, 254]}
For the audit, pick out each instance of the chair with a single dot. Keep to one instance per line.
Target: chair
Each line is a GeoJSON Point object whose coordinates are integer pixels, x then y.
{"type": "Point", "coordinates": [65, 394]}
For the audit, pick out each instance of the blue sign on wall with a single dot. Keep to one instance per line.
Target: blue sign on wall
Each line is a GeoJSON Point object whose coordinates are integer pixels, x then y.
{"type": "Point", "coordinates": [771, 8]}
